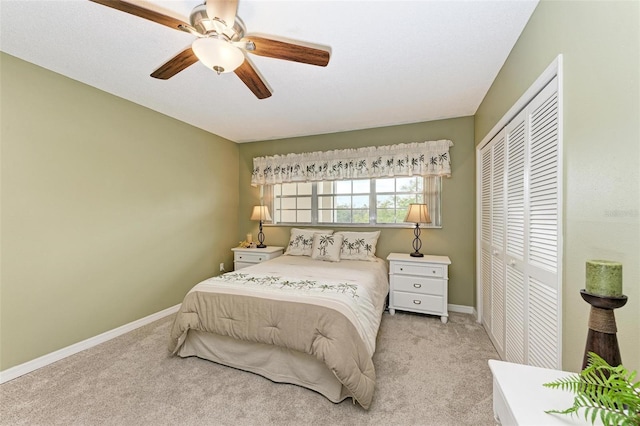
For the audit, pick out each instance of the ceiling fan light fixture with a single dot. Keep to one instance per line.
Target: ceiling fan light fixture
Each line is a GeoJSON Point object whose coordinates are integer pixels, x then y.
{"type": "Point", "coordinates": [218, 55]}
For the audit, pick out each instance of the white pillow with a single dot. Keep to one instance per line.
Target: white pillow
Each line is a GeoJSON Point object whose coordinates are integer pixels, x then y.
{"type": "Point", "coordinates": [326, 247]}
{"type": "Point", "coordinates": [359, 245]}
{"type": "Point", "coordinates": [301, 241]}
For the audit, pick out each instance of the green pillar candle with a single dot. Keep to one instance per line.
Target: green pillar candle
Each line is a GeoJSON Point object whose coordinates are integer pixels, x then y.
{"type": "Point", "coordinates": [604, 278]}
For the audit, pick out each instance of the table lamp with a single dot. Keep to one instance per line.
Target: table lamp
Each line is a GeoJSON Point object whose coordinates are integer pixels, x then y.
{"type": "Point", "coordinates": [417, 213]}
{"type": "Point", "coordinates": [260, 213]}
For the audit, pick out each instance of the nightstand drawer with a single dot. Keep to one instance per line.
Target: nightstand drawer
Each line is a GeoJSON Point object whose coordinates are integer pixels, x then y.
{"type": "Point", "coordinates": [240, 265]}
{"type": "Point", "coordinates": [416, 269]}
{"type": "Point", "coordinates": [250, 257]}
{"type": "Point", "coordinates": [418, 284]}
{"type": "Point", "coordinates": [417, 302]}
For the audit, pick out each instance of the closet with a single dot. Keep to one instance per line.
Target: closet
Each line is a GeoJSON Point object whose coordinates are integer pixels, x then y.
{"type": "Point", "coordinates": [519, 235]}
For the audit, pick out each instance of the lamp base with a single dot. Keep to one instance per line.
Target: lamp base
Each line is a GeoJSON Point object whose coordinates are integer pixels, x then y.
{"type": "Point", "coordinates": [417, 244]}
{"type": "Point", "coordinates": [261, 238]}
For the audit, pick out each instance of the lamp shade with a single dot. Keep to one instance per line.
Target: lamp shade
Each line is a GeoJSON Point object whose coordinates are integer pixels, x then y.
{"type": "Point", "coordinates": [260, 213]}
{"type": "Point", "coordinates": [418, 213]}
{"type": "Point", "coordinates": [217, 55]}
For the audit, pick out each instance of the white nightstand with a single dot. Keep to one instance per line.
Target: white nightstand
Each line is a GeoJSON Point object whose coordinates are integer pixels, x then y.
{"type": "Point", "coordinates": [419, 284]}
{"type": "Point", "coordinates": [243, 257]}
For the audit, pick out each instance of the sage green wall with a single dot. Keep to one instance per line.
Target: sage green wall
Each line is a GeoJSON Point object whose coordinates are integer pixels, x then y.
{"type": "Point", "coordinates": [600, 43]}
{"type": "Point", "coordinates": [455, 239]}
{"type": "Point", "coordinates": [110, 211]}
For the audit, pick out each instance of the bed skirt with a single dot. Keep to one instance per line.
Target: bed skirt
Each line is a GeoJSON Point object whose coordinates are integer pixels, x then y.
{"type": "Point", "coordinates": [276, 363]}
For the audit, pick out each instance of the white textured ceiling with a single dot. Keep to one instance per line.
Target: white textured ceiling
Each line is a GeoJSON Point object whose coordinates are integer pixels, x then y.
{"type": "Point", "coordinates": [392, 62]}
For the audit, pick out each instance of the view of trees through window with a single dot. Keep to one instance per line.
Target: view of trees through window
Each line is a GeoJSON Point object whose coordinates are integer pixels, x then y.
{"type": "Point", "coordinates": [363, 201]}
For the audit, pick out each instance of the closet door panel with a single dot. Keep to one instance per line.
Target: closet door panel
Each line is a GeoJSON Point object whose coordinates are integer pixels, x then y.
{"type": "Point", "coordinates": [515, 241]}
{"type": "Point", "coordinates": [544, 324]}
{"type": "Point", "coordinates": [497, 244]}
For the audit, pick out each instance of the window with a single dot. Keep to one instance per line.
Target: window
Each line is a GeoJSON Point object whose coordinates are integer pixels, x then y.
{"type": "Point", "coordinates": [380, 201]}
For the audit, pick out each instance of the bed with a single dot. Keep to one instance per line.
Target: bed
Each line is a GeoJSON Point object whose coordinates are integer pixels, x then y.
{"type": "Point", "coordinates": [301, 319]}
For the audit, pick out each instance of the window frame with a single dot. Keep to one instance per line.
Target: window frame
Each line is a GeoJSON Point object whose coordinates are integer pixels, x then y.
{"type": "Point", "coordinates": [430, 183]}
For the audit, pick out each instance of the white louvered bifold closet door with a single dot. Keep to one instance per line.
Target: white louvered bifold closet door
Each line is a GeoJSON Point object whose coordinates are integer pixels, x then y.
{"type": "Point", "coordinates": [497, 245]}
{"type": "Point", "coordinates": [485, 235]}
{"type": "Point", "coordinates": [520, 231]}
{"type": "Point", "coordinates": [544, 301]}
{"type": "Point", "coordinates": [492, 240]}
{"type": "Point", "coordinates": [515, 240]}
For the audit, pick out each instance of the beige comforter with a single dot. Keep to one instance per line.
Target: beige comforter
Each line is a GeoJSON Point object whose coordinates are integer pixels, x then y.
{"type": "Point", "coordinates": [334, 318]}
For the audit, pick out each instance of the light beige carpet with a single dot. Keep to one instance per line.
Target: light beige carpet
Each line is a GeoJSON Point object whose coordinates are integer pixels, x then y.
{"type": "Point", "coordinates": [428, 373]}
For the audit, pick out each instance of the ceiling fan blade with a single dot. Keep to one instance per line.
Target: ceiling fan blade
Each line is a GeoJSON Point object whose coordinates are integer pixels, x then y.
{"type": "Point", "coordinates": [224, 10]}
{"type": "Point", "coordinates": [181, 61]}
{"type": "Point", "coordinates": [289, 51]}
{"type": "Point", "coordinates": [252, 79]}
{"type": "Point", "coordinates": [142, 12]}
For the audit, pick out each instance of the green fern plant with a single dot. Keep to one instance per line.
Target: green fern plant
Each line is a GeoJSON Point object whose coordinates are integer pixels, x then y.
{"type": "Point", "coordinates": [604, 392]}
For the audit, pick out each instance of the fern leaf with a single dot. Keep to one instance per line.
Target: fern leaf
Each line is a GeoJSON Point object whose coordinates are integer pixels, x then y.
{"type": "Point", "coordinates": [603, 392]}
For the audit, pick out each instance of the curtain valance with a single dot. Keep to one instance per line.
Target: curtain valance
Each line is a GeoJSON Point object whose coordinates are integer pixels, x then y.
{"type": "Point", "coordinates": [430, 158]}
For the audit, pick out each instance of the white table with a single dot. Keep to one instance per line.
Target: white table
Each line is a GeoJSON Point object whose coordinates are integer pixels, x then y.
{"type": "Point", "coordinates": [520, 399]}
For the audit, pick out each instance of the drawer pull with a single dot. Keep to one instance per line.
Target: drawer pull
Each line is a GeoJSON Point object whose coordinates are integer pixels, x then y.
{"type": "Point", "coordinates": [239, 257]}
{"type": "Point", "coordinates": [260, 259]}
{"type": "Point", "coordinates": [417, 302]}
{"type": "Point", "coordinates": [416, 285]}
{"type": "Point", "coordinates": [402, 269]}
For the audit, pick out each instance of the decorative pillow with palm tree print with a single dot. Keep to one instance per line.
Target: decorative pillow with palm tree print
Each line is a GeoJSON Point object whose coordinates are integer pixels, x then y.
{"type": "Point", "coordinates": [359, 245]}
{"type": "Point", "coordinates": [326, 247]}
{"type": "Point", "coordinates": [301, 241]}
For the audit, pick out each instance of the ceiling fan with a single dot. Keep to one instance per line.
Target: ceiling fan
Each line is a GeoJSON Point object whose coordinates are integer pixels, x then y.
{"type": "Point", "coordinates": [221, 43]}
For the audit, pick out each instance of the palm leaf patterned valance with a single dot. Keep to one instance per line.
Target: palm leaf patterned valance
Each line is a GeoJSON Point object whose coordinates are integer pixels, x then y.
{"type": "Point", "coordinates": [429, 158]}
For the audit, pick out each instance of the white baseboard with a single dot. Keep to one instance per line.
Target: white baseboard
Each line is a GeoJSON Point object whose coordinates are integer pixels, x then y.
{"type": "Point", "coordinates": [463, 309]}
{"type": "Point", "coordinates": [28, 367]}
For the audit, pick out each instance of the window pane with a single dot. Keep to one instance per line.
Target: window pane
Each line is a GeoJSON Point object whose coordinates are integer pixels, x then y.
{"type": "Point", "coordinates": [325, 202]}
{"type": "Point", "coordinates": [288, 203]}
{"type": "Point", "coordinates": [304, 216]}
{"type": "Point", "coordinates": [343, 187]}
{"type": "Point", "coordinates": [405, 185]}
{"type": "Point", "coordinates": [385, 201]}
{"type": "Point", "coordinates": [403, 201]}
{"type": "Point", "coordinates": [361, 186]}
{"type": "Point", "coordinates": [325, 188]}
{"type": "Point", "coordinates": [343, 201]}
{"type": "Point", "coordinates": [361, 216]}
{"type": "Point", "coordinates": [304, 202]}
{"type": "Point", "coordinates": [325, 216]}
{"type": "Point", "coordinates": [289, 189]}
{"type": "Point", "coordinates": [360, 201]}
{"type": "Point", "coordinates": [288, 216]}
{"type": "Point", "coordinates": [386, 216]}
{"type": "Point", "coordinates": [343, 216]}
{"type": "Point", "coordinates": [305, 188]}
{"type": "Point", "coordinates": [385, 185]}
